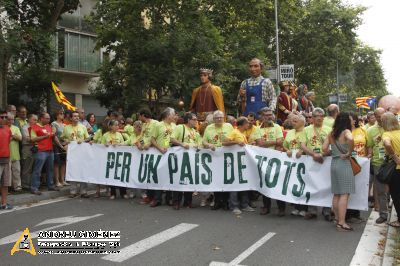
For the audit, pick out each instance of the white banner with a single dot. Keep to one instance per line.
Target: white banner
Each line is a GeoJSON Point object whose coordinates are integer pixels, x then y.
{"type": "Point", "coordinates": [272, 173]}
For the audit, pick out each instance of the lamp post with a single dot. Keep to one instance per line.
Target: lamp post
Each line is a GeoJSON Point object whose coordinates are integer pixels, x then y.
{"type": "Point", "coordinates": [278, 74]}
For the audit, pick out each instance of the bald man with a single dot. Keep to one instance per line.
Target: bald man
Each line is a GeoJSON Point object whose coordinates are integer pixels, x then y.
{"type": "Point", "coordinates": [333, 111]}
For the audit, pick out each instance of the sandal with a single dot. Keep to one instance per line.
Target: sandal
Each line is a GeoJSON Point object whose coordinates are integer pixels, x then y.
{"type": "Point", "coordinates": [395, 224]}
{"type": "Point", "coordinates": [342, 228]}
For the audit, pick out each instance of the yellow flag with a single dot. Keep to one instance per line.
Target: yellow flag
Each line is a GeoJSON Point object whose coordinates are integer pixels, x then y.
{"type": "Point", "coordinates": [61, 98]}
{"type": "Point", "coordinates": [24, 243]}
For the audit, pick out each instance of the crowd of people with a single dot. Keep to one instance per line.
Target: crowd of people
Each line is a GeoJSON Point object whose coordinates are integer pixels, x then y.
{"type": "Point", "coordinates": [33, 149]}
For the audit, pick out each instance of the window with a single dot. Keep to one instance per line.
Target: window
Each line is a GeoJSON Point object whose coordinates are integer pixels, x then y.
{"type": "Point", "coordinates": [77, 52]}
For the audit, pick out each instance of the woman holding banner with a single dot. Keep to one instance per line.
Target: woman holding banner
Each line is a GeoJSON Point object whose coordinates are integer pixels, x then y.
{"type": "Point", "coordinates": [342, 177]}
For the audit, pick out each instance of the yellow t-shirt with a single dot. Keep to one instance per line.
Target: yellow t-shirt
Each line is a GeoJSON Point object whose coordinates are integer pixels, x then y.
{"type": "Point", "coordinates": [147, 128]}
{"type": "Point", "coordinates": [313, 137]}
{"type": "Point", "coordinates": [187, 135]}
{"type": "Point", "coordinates": [75, 133]}
{"type": "Point", "coordinates": [215, 135]}
{"type": "Point", "coordinates": [292, 140]}
{"type": "Point", "coordinates": [360, 141]}
{"type": "Point", "coordinates": [268, 133]}
{"type": "Point", "coordinates": [112, 138]}
{"type": "Point", "coordinates": [162, 133]}
{"type": "Point", "coordinates": [236, 135]}
{"type": "Point", "coordinates": [394, 137]}
{"type": "Point", "coordinates": [14, 145]}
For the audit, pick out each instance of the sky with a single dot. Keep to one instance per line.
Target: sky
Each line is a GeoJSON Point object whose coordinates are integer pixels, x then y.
{"type": "Point", "coordinates": [381, 30]}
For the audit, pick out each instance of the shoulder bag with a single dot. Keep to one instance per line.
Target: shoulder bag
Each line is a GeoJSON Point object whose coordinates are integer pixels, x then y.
{"type": "Point", "coordinates": [355, 166]}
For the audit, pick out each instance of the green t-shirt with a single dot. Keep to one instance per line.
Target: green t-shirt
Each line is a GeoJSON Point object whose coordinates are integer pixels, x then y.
{"type": "Point", "coordinates": [268, 134]}
{"type": "Point", "coordinates": [98, 136]}
{"type": "Point", "coordinates": [191, 137]}
{"type": "Point", "coordinates": [133, 139]}
{"type": "Point", "coordinates": [75, 133]}
{"type": "Point", "coordinates": [147, 128]}
{"type": "Point", "coordinates": [162, 133]}
{"type": "Point", "coordinates": [313, 138]}
{"type": "Point", "coordinates": [292, 140]}
{"type": "Point", "coordinates": [328, 121]}
{"type": "Point", "coordinates": [215, 135]}
{"type": "Point", "coordinates": [112, 138]}
{"type": "Point", "coordinates": [374, 141]}
{"type": "Point", "coordinates": [14, 144]}
{"type": "Point", "coordinates": [129, 130]}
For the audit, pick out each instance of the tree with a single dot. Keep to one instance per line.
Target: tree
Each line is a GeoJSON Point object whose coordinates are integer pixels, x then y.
{"type": "Point", "coordinates": [26, 28]}
{"type": "Point", "coordinates": [160, 44]}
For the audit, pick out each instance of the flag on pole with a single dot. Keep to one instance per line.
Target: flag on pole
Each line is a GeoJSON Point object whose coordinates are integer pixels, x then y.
{"type": "Point", "coordinates": [61, 98]}
{"type": "Point", "coordinates": [365, 102]}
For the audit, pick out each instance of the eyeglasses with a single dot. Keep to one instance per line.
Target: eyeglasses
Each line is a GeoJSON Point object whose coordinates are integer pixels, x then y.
{"type": "Point", "coordinates": [3, 116]}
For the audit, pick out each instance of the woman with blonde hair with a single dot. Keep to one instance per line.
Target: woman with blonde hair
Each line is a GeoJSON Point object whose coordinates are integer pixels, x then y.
{"type": "Point", "coordinates": [391, 142]}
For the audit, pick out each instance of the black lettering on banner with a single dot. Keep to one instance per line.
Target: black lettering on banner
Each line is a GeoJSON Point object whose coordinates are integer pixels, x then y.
{"type": "Point", "coordinates": [260, 161]}
{"type": "Point", "coordinates": [229, 163]}
{"type": "Point", "coordinates": [272, 183]}
{"type": "Point", "coordinates": [186, 170]}
{"type": "Point", "coordinates": [172, 166]}
{"type": "Point", "coordinates": [241, 166]}
{"type": "Point", "coordinates": [298, 191]}
{"type": "Point", "coordinates": [110, 163]}
{"type": "Point", "coordinates": [206, 179]}
{"type": "Point", "coordinates": [143, 163]}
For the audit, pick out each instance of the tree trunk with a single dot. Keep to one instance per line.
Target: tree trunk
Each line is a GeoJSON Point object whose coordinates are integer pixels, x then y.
{"type": "Point", "coordinates": [3, 83]}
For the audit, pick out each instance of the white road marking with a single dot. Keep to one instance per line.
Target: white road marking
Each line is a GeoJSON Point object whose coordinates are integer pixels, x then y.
{"type": "Point", "coordinates": [245, 253]}
{"type": "Point", "coordinates": [31, 205]}
{"type": "Point", "coordinates": [150, 242]}
{"type": "Point", "coordinates": [70, 220]}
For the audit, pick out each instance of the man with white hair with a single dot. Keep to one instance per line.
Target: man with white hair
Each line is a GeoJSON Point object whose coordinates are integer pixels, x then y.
{"type": "Point", "coordinates": [207, 98]}
{"type": "Point", "coordinates": [214, 135]}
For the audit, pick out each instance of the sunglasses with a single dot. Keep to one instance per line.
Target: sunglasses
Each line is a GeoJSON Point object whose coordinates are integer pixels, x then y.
{"type": "Point", "coordinates": [3, 116]}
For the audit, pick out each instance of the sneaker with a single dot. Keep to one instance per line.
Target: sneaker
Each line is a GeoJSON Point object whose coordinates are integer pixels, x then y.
{"type": "Point", "coordinates": [126, 196]}
{"type": "Point", "coordinates": [381, 220]}
{"type": "Point", "coordinates": [53, 189]}
{"type": "Point", "coordinates": [65, 184]}
{"type": "Point", "coordinates": [248, 209]}
{"type": "Point", "coordinates": [253, 204]}
{"type": "Point", "coordinates": [36, 192]}
{"type": "Point", "coordinates": [59, 184]}
{"type": "Point", "coordinates": [295, 212]}
{"type": "Point", "coordinates": [302, 213]}
{"type": "Point", "coordinates": [6, 207]}
{"type": "Point", "coordinates": [203, 203]}
{"type": "Point", "coordinates": [310, 216]}
{"type": "Point", "coordinates": [236, 211]}
{"type": "Point", "coordinates": [145, 200]}
{"type": "Point", "coordinates": [212, 203]}
{"type": "Point", "coordinates": [112, 197]}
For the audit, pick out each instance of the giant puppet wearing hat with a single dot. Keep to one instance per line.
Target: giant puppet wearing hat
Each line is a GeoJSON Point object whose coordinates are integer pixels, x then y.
{"type": "Point", "coordinates": [206, 98]}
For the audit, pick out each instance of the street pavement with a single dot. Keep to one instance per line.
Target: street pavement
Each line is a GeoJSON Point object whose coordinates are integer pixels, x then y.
{"type": "Point", "coordinates": [164, 236]}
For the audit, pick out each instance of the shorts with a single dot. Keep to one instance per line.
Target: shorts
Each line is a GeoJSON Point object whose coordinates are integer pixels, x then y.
{"type": "Point", "coordinates": [5, 175]}
{"type": "Point", "coordinates": [59, 155]}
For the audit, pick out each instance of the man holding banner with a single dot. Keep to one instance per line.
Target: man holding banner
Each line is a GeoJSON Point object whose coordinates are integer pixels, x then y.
{"type": "Point", "coordinates": [76, 132]}
{"type": "Point", "coordinates": [311, 139]}
{"type": "Point", "coordinates": [213, 137]}
{"type": "Point", "coordinates": [269, 135]}
{"type": "Point", "coordinates": [161, 140]}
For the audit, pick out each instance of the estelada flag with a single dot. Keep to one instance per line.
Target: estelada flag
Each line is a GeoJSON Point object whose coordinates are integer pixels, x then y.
{"type": "Point", "coordinates": [362, 102]}
{"type": "Point", "coordinates": [61, 98]}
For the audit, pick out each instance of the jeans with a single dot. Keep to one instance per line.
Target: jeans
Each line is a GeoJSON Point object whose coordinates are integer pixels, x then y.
{"type": "Point", "coordinates": [238, 199]}
{"type": "Point", "coordinates": [381, 195]}
{"type": "Point", "coordinates": [267, 203]}
{"type": "Point", "coordinates": [43, 158]}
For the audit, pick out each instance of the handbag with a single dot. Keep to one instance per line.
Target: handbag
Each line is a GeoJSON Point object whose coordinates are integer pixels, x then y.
{"type": "Point", "coordinates": [386, 170]}
{"type": "Point", "coordinates": [355, 166]}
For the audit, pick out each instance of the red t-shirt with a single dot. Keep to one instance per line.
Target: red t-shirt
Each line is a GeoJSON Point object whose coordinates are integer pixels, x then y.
{"type": "Point", "coordinates": [5, 137]}
{"type": "Point", "coordinates": [47, 143]}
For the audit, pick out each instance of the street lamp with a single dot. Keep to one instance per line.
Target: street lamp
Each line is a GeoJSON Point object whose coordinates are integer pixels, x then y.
{"type": "Point", "coordinates": [277, 42]}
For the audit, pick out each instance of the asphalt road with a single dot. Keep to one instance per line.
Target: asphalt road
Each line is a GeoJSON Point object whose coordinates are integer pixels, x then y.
{"type": "Point", "coordinates": [187, 237]}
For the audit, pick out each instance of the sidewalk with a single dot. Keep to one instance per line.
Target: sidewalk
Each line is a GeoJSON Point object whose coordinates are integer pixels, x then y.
{"type": "Point", "coordinates": [17, 199]}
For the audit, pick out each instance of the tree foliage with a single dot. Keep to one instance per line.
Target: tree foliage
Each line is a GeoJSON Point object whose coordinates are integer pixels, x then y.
{"type": "Point", "coordinates": [158, 44]}
{"type": "Point", "coordinates": [26, 50]}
